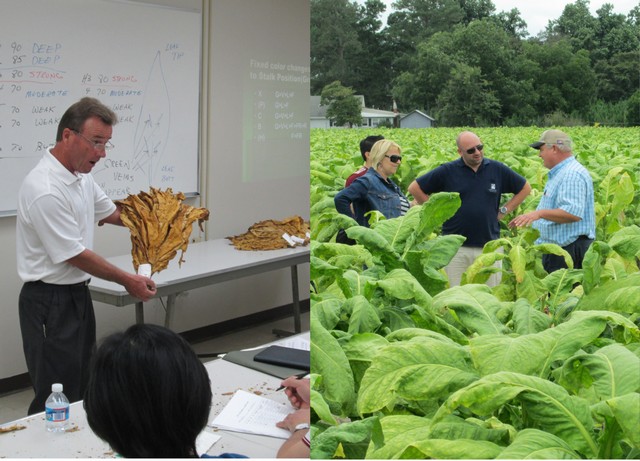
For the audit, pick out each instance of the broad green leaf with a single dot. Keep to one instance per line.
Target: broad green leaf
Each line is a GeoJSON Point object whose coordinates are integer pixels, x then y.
{"type": "Point", "coordinates": [537, 444]}
{"type": "Point", "coordinates": [360, 350]}
{"type": "Point", "coordinates": [439, 251]}
{"type": "Point", "coordinates": [373, 241]}
{"type": "Point", "coordinates": [474, 306]}
{"type": "Point", "coordinates": [400, 284]}
{"type": "Point", "coordinates": [426, 260]}
{"type": "Point", "coordinates": [531, 288]}
{"type": "Point", "coordinates": [626, 242]}
{"type": "Point", "coordinates": [399, 432]}
{"type": "Point", "coordinates": [533, 354]}
{"type": "Point", "coordinates": [353, 283]}
{"type": "Point", "coordinates": [412, 437]}
{"type": "Point", "coordinates": [414, 370]}
{"type": "Point", "coordinates": [435, 211]}
{"type": "Point", "coordinates": [357, 255]}
{"type": "Point", "coordinates": [455, 428]}
{"type": "Point", "coordinates": [518, 258]}
{"type": "Point", "coordinates": [364, 346]}
{"type": "Point", "coordinates": [320, 267]}
{"type": "Point", "coordinates": [352, 438]}
{"type": "Point", "coordinates": [607, 373]}
{"type": "Point", "coordinates": [408, 334]}
{"type": "Point", "coordinates": [481, 269]}
{"type": "Point", "coordinates": [364, 317]}
{"type": "Point", "coordinates": [626, 299]}
{"type": "Point", "coordinates": [527, 319]}
{"type": "Point", "coordinates": [327, 312]}
{"type": "Point", "coordinates": [592, 265]}
{"type": "Point", "coordinates": [544, 403]}
{"type": "Point", "coordinates": [626, 410]}
{"type": "Point", "coordinates": [321, 407]}
{"type": "Point", "coordinates": [395, 318]}
{"type": "Point", "coordinates": [322, 205]}
{"type": "Point", "coordinates": [427, 319]}
{"type": "Point", "coordinates": [452, 449]}
{"type": "Point", "coordinates": [560, 284]}
{"type": "Point", "coordinates": [397, 231]}
{"type": "Point", "coordinates": [329, 361]}
{"type": "Point", "coordinates": [552, 248]}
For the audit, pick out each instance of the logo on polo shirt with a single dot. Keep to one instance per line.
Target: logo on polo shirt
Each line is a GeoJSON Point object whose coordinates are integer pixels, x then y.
{"type": "Point", "coordinates": [492, 187]}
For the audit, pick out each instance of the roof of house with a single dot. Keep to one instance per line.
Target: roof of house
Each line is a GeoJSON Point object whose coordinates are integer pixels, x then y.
{"type": "Point", "coordinates": [419, 112]}
{"type": "Point", "coordinates": [318, 111]}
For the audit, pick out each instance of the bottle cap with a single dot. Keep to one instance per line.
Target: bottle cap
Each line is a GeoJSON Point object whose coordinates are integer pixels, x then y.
{"type": "Point", "coordinates": [57, 387]}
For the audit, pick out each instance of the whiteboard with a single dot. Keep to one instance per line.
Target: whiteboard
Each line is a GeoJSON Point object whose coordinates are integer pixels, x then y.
{"type": "Point", "coordinates": [141, 60]}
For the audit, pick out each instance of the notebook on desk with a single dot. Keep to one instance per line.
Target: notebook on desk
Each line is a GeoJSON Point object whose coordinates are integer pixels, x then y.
{"type": "Point", "coordinates": [285, 356]}
{"type": "Point", "coordinates": [245, 358]}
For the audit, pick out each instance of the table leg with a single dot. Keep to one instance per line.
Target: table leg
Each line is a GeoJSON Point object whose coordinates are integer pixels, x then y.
{"type": "Point", "coordinates": [296, 306]}
{"type": "Point", "coordinates": [139, 312]}
{"type": "Point", "coordinates": [171, 302]}
{"type": "Point", "coordinates": [296, 299]}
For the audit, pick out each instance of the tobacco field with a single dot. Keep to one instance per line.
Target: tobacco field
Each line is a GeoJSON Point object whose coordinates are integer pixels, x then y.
{"type": "Point", "coordinates": [542, 366]}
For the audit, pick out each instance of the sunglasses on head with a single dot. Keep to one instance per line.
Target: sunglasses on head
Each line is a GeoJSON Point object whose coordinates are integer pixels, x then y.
{"type": "Point", "coordinates": [394, 158]}
{"type": "Point", "coordinates": [471, 150]}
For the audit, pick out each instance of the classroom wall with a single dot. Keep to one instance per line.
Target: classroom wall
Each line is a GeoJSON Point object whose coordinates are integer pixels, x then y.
{"type": "Point", "coordinates": [235, 200]}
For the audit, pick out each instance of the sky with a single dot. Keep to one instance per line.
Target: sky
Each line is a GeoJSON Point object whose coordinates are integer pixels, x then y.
{"type": "Point", "coordinates": [537, 13]}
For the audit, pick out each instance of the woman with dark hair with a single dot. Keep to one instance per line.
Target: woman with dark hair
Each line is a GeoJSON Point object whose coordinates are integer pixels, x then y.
{"type": "Point", "coordinates": [148, 394]}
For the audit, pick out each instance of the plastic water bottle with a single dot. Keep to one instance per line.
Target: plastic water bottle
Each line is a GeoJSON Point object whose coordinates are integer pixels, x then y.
{"type": "Point", "coordinates": [57, 410]}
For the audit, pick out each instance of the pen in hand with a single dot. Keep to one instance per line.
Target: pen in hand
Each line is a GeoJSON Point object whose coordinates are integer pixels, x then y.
{"type": "Point", "coordinates": [298, 376]}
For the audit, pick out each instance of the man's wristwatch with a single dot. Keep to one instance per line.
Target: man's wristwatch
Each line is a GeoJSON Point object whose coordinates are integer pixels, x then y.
{"type": "Point", "coordinates": [503, 210]}
{"type": "Point", "coordinates": [300, 427]}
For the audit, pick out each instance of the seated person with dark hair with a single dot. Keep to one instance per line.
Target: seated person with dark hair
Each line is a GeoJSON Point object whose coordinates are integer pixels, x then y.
{"type": "Point", "coordinates": [148, 394]}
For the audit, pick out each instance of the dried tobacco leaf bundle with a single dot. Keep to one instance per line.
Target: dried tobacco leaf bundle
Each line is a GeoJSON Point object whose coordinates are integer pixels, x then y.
{"type": "Point", "coordinates": [267, 235]}
{"type": "Point", "coordinates": [160, 225]}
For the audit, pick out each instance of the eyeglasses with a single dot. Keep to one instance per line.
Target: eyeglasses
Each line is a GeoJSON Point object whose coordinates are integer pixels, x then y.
{"type": "Point", "coordinates": [96, 145]}
{"type": "Point", "coordinates": [471, 150]}
{"type": "Point", "coordinates": [394, 158]}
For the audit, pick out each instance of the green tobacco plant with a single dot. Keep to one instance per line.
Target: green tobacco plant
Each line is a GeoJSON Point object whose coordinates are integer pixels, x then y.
{"type": "Point", "coordinates": [540, 366]}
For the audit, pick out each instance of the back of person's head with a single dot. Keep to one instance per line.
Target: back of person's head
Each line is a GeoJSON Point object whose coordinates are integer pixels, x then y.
{"type": "Point", "coordinates": [78, 113]}
{"type": "Point", "coordinates": [380, 149]}
{"type": "Point", "coordinates": [367, 144]}
{"type": "Point", "coordinates": [148, 394]}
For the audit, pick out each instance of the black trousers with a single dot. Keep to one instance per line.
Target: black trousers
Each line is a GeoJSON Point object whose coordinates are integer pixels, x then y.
{"type": "Point", "coordinates": [58, 328]}
{"type": "Point", "coordinates": [577, 250]}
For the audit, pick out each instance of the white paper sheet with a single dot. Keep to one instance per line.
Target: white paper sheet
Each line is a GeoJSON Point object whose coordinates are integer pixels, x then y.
{"type": "Point", "coordinates": [205, 441]}
{"type": "Point", "coordinates": [296, 343]}
{"type": "Point", "coordinates": [252, 414]}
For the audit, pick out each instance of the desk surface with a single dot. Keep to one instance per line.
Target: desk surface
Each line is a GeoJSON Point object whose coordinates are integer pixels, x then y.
{"type": "Point", "coordinates": [226, 377]}
{"type": "Point", "coordinates": [205, 263]}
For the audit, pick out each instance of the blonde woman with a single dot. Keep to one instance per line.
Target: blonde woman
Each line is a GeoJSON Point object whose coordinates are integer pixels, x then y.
{"type": "Point", "coordinates": [375, 190]}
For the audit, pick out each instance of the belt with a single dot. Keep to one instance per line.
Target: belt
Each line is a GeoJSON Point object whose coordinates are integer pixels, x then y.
{"type": "Point", "coordinates": [84, 283]}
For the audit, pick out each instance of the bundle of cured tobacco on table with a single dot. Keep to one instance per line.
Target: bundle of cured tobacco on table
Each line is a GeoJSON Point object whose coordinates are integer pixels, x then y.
{"type": "Point", "coordinates": [270, 235]}
{"type": "Point", "coordinates": [160, 225]}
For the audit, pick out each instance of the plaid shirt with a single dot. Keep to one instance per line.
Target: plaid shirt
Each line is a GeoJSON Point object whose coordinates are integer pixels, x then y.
{"type": "Point", "coordinates": [570, 188]}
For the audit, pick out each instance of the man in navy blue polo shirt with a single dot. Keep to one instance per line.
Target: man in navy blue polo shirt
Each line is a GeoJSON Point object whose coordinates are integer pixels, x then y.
{"type": "Point", "coordinates": [480, 183]}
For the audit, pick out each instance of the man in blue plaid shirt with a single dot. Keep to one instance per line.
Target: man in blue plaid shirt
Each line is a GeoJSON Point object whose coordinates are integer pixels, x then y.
{"type": "Point", "coordinates": [565, 215]}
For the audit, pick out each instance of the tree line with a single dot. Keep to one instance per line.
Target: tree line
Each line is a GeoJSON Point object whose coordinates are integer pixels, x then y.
{"type": "Point", "coordinates": [465, 64]}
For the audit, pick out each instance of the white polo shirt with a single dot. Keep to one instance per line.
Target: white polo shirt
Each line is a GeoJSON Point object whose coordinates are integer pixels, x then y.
{"type": "Point", "coordinates": [57, 212]}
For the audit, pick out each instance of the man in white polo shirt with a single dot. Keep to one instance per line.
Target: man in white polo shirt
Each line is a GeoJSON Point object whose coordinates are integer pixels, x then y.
{"type": "Point", "coordinates": [58, 206]}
